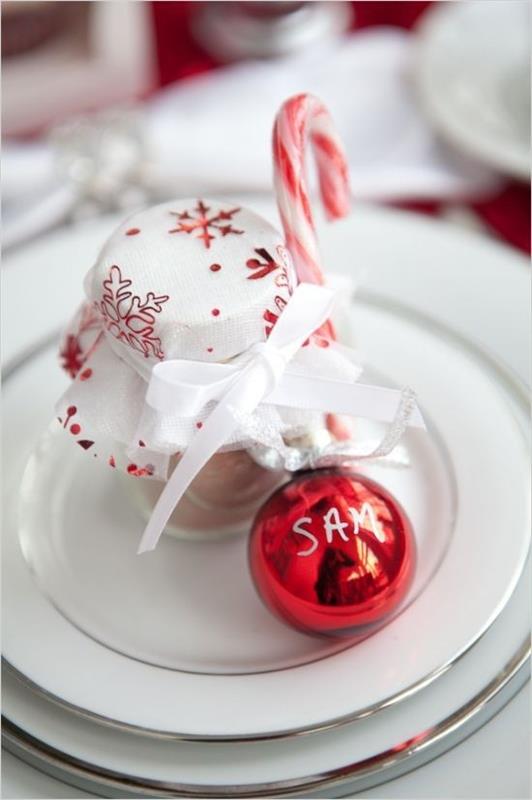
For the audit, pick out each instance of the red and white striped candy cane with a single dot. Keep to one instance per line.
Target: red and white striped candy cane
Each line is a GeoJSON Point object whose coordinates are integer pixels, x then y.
{"type": "Point", "coordinates": [301, 119]}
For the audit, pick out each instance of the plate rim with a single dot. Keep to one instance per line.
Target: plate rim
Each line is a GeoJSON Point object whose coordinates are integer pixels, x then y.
{"type": "Point", "coordinates": [512, 381]}
{"type": "Point", "coordinates": [384, 766]}
{"type": "Point", "coordinates": [516, 165]}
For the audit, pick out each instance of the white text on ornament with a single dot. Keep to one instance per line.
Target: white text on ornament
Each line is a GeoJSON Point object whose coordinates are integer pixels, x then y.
{"type": "Point", "coordinates": [332, 523]}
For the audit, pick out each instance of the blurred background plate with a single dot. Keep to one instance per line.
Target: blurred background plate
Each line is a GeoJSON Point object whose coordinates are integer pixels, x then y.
{"type": "Point", "coordinates": [473, 74]}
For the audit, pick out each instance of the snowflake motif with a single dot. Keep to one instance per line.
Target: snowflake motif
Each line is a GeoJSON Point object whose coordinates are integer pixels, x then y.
{"type": "Point", "coordinates": [271, 317]}
{"type": "Point", "coordinates": [207, 226]}
{"type": "Point", "coordinates": [285, 279]}
{"type": "Point", "coordinates": [72, 354]}
{"type": "Point", "coordinates": [127, 318]}
{"type": "Point", "coordinates": [261, 268]}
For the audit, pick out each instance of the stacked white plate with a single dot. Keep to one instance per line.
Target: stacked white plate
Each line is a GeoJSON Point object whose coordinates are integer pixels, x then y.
{"type": "Point", "coordinates": [165, 676]}
{"type": "Point", "coordinates": [473, 77]}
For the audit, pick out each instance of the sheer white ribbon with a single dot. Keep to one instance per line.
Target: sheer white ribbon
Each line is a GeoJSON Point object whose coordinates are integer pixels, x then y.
{"type": "Point", "coordinates": [264, 374]}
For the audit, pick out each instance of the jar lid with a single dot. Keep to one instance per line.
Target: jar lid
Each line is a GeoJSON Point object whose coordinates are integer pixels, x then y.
{"type": "Point", "coordinates": [196, 279]}
{"type": "Point", "coordinates": [201, 280]}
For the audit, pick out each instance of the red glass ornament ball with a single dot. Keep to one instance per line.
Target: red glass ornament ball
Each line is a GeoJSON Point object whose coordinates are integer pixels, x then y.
{"type": "Point", "coordinates": [332, 552]}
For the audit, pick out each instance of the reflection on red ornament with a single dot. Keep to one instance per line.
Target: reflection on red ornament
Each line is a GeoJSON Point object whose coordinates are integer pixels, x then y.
{"type": "Point", "coordinates": [332, 552]}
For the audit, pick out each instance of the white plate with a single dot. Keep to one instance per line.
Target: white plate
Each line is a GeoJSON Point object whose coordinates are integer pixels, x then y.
{"type": "Point", "coordinates": [199, 609]}
{"type": "Point", "coordinates": [374, 234]}
{"type": "Point", "coordinates": [473, 73]}
{"type": "Point", "coordinates": [87, 534]}
{"type": "Point", "coordinates": [115, 763]}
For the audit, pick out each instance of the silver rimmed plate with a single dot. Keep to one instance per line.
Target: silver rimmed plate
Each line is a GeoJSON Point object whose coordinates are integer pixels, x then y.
{"type": "Point", "coordinates": [77, 532]}
{"type": "Point", "coordinates": [200, 612]}
{"type": "Point", "coordinates": [476, 286]}
{"type": "Point", "coordinates": [353, 758]}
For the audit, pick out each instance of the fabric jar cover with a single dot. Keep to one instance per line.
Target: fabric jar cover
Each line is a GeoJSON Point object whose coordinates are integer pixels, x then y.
{"type": "Point", "coordinates": [196, 279]}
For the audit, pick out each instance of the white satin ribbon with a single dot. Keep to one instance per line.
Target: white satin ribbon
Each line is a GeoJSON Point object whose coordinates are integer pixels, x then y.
{"type": "Point", "coordinates": [263, 374]}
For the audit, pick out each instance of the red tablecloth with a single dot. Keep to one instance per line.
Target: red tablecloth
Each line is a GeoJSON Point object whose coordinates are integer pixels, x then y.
{"type": "Point", "coordinates": [507, 212]}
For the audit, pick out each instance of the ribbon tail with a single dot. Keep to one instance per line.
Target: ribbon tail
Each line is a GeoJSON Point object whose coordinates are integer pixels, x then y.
{"type": "Point", "coordinates": [406, 408]}
{"type": "Point", "coordinates": [243, 396]}
{"type": "Point", "coordinates": [215, 432]}
{"type": "Point", "coordinates": [355, 399]}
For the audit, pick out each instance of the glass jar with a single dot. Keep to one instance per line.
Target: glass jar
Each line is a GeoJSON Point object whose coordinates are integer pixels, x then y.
{"type": "Point", "coordinates": [221, 500]}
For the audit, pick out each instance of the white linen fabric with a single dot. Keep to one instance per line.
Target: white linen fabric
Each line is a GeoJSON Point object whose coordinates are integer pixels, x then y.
{"type": "Point", "coordinates": [187, 134]}
{"type": "Point", "coordinates": [193, 279]}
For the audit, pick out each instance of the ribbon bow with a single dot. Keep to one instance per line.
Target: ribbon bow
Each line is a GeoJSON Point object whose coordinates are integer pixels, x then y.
{"type": "Point", "coordinates": [238, 388]}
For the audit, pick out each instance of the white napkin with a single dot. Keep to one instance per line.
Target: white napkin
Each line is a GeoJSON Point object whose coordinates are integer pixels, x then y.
{"type": "Point", "coordinates": [212, 132]}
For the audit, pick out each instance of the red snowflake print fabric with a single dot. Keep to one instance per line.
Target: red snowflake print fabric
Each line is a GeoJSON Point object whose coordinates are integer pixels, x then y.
{"type": "Point", "coordinates": [204, 225]}
{"type": "Point", "coordinates": [71, 355]}
{"type": "Point", "coordinates": [130, 319]}
{"type": "Point", "coordinates": [286, 278]}
{"type": "Point", "coordinates": [68, 423]}
{"type": "Point", "coordinates": [271, 317]}
{"type": "Point", "coordinates": [283, 280]}
{"type": "Point", "coordinates": [208, 290]}
{"type": "Point", "coordinates": [80, 339]}
{"type": "Point", "coordinates": [261, 268]}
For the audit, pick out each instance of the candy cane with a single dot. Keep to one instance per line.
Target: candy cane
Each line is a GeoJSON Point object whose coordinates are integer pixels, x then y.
{"type": "Point", "coordinates": [303, 118]}
{"type": "Point", "coordinates": [299, 119]}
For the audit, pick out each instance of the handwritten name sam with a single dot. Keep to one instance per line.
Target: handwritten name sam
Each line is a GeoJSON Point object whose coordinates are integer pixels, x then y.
{"type": "Point", "coordinates": [364, 517]}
